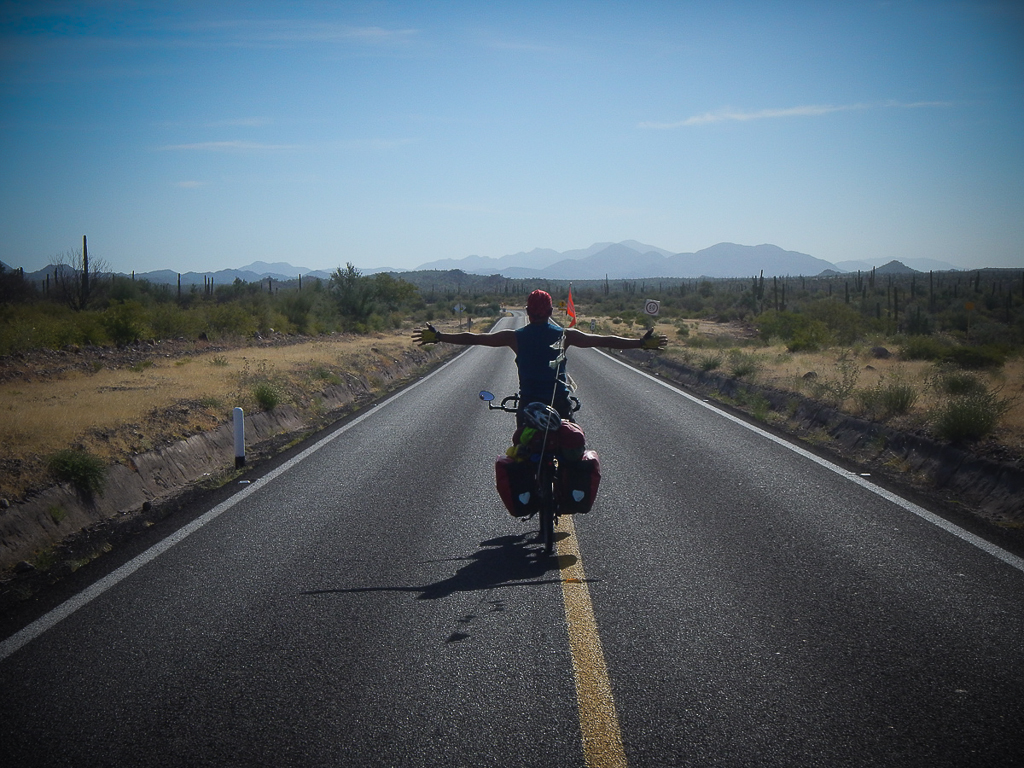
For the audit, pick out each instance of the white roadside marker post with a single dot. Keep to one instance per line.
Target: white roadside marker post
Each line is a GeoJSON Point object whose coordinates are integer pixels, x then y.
{"type": "Point", "coordinates": [239, 438]}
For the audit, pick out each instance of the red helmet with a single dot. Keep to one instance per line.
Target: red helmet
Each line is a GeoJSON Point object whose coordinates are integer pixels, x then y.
{"type": "Point", "coordinates": [539, 304]}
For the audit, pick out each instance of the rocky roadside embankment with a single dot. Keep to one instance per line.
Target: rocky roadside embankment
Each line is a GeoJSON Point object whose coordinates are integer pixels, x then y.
{"type": "Point", "coordinates": [950, 475]}
{"type": "Point", "coordinates": [57, 530]}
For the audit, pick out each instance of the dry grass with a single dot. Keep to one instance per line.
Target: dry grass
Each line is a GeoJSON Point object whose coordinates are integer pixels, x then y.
{"type": "Point", "coordinates": [840, 374]}
{"type": "Point", "coordinates": [838, 369]}
{"type": "Point", "coordinates": [114, 413]}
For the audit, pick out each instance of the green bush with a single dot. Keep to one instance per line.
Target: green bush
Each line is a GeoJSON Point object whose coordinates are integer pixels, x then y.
{"type": "Point", "coordinates": [88, 329]}
{"type": "Point", "coordinates": [169, 321]}
{"type": "Point", "coordinates": [741, 365]}
{"type": "Point", "coordinates": [888, 399]}
{"type": "Point", "coordinates": [844, 323]}
{"type": "Point", "coordinates": [923, 348]}
{"type": "Point", "coordinates": [801, 333]}
{"type": "Point", "coordinates": [835, 391]}
{"type": "Point", "coordinates": [267, 394]}
{"type": "Point", "coordinates": [710, 362]}
{"type": "Point", "coordinates": [810, 337]}
{"type": "Point", "coordinates": [970, 416]}
{"type": "Point", "coordinates": [760, 407]}
{"type": "Point", "coordinates": [85, 472]}
{"type": "Point", "coordinates": [47, 326]}
{"type": "Point", "coordinates": [959, 383]}
{"type": "Point", "coordinates": [125, 322]}
{"type": "Point", "coordinates": [230, 319]}
{"type": "Point", "coordinates": [297, 307]}
{"type": "Point", "coordinates": [976, 357]}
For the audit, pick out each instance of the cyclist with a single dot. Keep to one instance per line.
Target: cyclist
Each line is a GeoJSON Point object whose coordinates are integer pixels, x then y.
{"type": "Point", "coordinates": [535, 345]}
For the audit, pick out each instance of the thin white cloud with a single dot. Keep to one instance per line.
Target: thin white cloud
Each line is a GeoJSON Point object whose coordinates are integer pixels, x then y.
{"type": "Point", "coordinates": [807, 110]}
{"type": "Point", "coordinates": [918, 104]}
{"type": "Point", "coordinates": [190, 184]}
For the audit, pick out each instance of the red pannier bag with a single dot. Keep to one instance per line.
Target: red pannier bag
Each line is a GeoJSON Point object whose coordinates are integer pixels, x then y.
{"type": "Point", "coordinates": [514, 480]}
{"type": "Point", "coordinates": [569, 440]}
{"type": "Point", "coordinates": [578, 484]}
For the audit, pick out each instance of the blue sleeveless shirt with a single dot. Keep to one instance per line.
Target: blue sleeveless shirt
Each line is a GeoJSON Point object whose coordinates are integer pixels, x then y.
{"type": "Point", "coordinates": [538, 380]}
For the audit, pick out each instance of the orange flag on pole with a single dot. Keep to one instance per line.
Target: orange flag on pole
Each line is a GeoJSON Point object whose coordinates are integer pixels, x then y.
{"type": "Point", "coordinates": [570, 309]}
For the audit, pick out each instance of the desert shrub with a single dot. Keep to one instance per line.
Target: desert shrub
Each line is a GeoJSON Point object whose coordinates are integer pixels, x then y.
{"type": "Point", "coordinates": [87, 329]}
{"type": "Point", "coordinates": [262, 383]}
{"type": "Point", "coordinates": [297, 308]}
{"type": "Point", "coordinates": [898, 398]}
{"type": "Point", "coordinates": [843, 322]}
{"type": "Point", "coordinates": [975, 358]}
{"type": "Point", "coordinates": [867, 401]}
{"type": "Point", "coordinates": [923, 348]}
{"type": "Point", "coordinates": [836, 390]}
{"type": "Point", "coordinates": [125, 322]}
{"type": "Point", "coordinates": [887, 399]}
{"type": "Point", "coordinates": [781, 325]}
{"type": "Point", "coordinates": [47, 326]}
{"type": "Point", "coordinates": [267, 394]}
{"type": "Point", "coordinates": [741, 365]}
{"type": "Point", "coordinates": [169, 321]}
{"type": "Point", "coordinates": [809, 337]}
{"type": "Point", "coordinates": [322, 373]}
{"type": "Point", "coordinates": [959, 383]}
{"type": "Point", "coordinates": [85, 472]}
{"type": "Point", "coordinates": [709, 362]}
{"type": "Point", "coordinates": [229, 319]}
{"type": "Point", "coordinates": [760, 407]}
{"type": "Point", "coordinates": [25, 327]}
{"type": "Point", "coordinates": [969, 416]}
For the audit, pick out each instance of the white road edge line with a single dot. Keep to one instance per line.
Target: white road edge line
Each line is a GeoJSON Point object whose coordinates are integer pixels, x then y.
{"type": "Point", "coordinates": [29, 633]}
{"type": "Point", "coordinates": [986, 546]}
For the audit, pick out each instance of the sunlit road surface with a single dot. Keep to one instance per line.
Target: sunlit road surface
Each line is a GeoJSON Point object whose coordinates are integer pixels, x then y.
{"type": "Point", "coordinates": [369, 602]}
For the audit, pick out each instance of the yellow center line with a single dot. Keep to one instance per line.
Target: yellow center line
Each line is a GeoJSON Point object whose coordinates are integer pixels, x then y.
{"type": "Point", "coordinates": [599, 723]}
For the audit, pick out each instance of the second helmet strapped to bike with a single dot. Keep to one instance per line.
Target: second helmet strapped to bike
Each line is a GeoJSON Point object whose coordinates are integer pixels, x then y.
{"type": "Point", "coordinates": [543, 417]}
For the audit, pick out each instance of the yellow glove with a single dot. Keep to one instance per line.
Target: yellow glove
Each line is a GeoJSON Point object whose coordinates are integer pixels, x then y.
{"type": "Point", "coordinates": [428, 335]}
{"type": "Point", "coordinates": [650, 341]}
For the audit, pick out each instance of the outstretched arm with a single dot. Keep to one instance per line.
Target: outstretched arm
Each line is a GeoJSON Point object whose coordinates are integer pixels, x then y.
{"type": "Point", "coordinates": [578, 338]}
{"type": "Point", "coordinates": [430, 335]}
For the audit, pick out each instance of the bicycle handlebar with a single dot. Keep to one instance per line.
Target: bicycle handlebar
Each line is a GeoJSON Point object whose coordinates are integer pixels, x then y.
{"type": "Point", "coordinates": [510, 404]}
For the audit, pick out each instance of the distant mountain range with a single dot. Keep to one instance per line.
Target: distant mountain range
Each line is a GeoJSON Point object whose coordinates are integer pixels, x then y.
{"type": "Point", "coordinates": [616, 261]}
{"type": "Point", "coordinates": [630, 260]}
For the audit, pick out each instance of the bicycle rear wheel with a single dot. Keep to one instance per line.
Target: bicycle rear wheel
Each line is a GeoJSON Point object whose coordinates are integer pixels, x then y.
{"type": "Point", "coordinates": [547, 526]}
{"type": "Point", "coordinates": [547, 507]}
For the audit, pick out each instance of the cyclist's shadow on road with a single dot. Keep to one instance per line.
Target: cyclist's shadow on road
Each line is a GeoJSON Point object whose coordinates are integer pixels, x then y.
{"type": "Point", "coordinates": [505, 561]}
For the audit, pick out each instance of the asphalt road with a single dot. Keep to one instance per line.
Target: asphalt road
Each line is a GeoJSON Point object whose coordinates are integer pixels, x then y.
{"type": "Point", "coordinates": [371, 603]}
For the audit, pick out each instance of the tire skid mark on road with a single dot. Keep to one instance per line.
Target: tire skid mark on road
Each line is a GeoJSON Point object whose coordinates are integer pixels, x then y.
{"type": "Point", "coordinates": [599, 722]}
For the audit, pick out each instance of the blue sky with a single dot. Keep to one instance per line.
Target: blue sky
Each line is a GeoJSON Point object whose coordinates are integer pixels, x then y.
{"type": "Point", "coordinates": [206, 135]}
